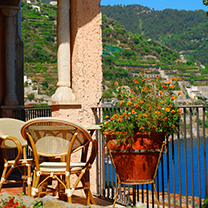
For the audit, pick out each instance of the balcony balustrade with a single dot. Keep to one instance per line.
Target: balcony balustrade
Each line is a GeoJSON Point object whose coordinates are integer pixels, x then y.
{"type": "Point", "coordinates": [182, 173]}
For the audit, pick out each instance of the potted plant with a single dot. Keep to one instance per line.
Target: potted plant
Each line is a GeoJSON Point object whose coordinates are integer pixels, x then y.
{"type": "Point", "coordinates": [135, 137]}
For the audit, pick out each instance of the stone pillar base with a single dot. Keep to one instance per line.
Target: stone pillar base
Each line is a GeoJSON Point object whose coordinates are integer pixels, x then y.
{"type": "Point", "coordinates": [63, 95]}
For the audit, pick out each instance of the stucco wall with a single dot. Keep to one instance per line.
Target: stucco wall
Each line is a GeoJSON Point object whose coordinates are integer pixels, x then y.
{"type": "Point", "coordinates": [86, 66]}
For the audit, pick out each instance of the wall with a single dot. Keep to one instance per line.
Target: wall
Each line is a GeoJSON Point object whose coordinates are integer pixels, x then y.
{"type": "Point", "coordinates": [86, 66]}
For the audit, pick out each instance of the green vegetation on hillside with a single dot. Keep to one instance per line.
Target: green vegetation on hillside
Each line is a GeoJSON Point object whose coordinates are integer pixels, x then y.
{"type": "Point", "coordinates": [125, 54]}
{"type": "Point", "coordinates": [178, 29]}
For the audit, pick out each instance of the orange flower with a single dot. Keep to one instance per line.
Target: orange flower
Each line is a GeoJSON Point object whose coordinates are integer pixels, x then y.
{"type": "Point", "coordinates": [129, 103]}
{"type": "Point", "coordinates": [157, 75]}
{"type": "Point", "coordinates": [150, 108]}
{"type": "Point", "coordinates": [149, 78]}
{"type": "Point", "coordinates": [179, 93]}
{"type": "Point", "coordinates": [173, 78]}
{"type": "Point", "coordinates": [171, 86]}
{"type": "Point", "coordinates": [173, 125]}
{"type": "Point", "coordinates": [124, 113]}
{"type": "Point", "coordinates": [141, 73]}
{"type": "Point", "coordinates": [167, 109]}
{"type": "Point", "coordinates": [150, 90]}
{"type": "Point", "coordinates": [141, 101]}
{"type": "Point", "coordinates": [170, 106]}
{"type": "Point", "coordinates": [134, 80]}
{"type": "Point", "coordinates": [173, 98]}
{"type": "Point", "coordinates": [119, 119]}
{"type": "Point", "coordinates": [131, 89]}
{"type": "Point", "coordinates": [140, 115]}
{"type": "Point", "coordinates": [165, 86]}
{"type": "Point", "coordinates": [143, 80]}
{"type": "Point", "coordinates": [157, 112]}
{"type": "Point", "coordinates": [179, 111]}
{"type": "Point", "coordinates": [127, 117]}
{"type": "Point", "coordinates": [141, 127]}
{"type": "Point", "coordinates": [166, 118]}
{"type": "Point", "coordinates": [106, 116]}
{"type": "Point", "coordinates": [112, 118]}
{"type": "Point", "coordinates": [116, 83]}
{"type": "Point", "coordinates": [143, 90]}
{"type": "Point", "coordinates": [173, 111]}
{"type": "Point", "coordinates": [169, 82]}
{"type": "Point", "coordinates": [120, 116]}
{"type": "Point", "coordinates": [157, 107]}
{"type": "Point", "coordinates": [115, 115]}
{"type": "Point", "coordinates": [121, 102]}
{"type": "Point", "coordinates": [133, 111]}
{"type": "Point", "coordinates": [160, 92]}
{"type": "Point", "coordinates": [145, 115]}
{"type": "Point", "coordinates": [136, 105]}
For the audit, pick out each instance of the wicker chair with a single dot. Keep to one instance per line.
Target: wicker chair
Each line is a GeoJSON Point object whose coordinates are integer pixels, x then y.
{"type": "Point", "coordinates": [10, 138]}
{"type": "Point", "coordinates": [54, 138]}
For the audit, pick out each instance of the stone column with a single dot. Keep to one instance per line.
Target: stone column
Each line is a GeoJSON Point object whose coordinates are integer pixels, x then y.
{"type": "Point", "coordinates": [10, 31]}
{"type": "Point", "coordinates": [63, 94]}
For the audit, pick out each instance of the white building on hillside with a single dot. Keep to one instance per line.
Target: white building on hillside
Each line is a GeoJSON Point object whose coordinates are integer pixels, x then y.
{"type": "Point", "coordinates": [54, 3]}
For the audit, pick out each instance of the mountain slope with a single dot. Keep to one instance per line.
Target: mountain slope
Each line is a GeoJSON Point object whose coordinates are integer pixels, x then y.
{"type": "Point", "coordinates": [178, 29]}
{"type": "Point", "coordinates": [124, 54]}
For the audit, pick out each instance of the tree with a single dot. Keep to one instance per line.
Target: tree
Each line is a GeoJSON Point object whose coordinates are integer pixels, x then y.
{"type": "Point", "coordinates": [30, 97]}
{"type": "Point", "coordinates": [205, 2]}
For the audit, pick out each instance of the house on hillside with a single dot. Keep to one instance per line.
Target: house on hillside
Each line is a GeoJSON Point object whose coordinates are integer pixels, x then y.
{"type": "Point", "coordinates": [36, 8]}
{"type": "Point", "coordinates": [193, 92]}
{"type": "Point", "coordinates": [53, 3]}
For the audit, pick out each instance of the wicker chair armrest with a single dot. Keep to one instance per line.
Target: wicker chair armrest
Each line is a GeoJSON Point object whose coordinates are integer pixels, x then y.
{"type": "Point", "coordinates": [4, 145]}
{"type": "Point", "coordinates": [93, 152]}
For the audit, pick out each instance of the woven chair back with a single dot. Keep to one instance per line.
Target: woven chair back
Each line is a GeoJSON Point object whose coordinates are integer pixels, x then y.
{"type": "Point", "coordinates": [11, 127]}
{"type": "Point", "coordinates": [52, 136]}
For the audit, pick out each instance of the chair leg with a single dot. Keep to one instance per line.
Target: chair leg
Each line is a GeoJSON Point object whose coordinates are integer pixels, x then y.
{"type": "Point", "coordinates": [24, 181]}
{"type": "Point", "coordinates": [86, 184]}
{"type": "Point", "coordinates": [35, 184]}
{"type": "Point", "coordinates": [68, 188]}
{"type": "Point", "coordinates": [3, 177]}
{"type": "Point", "coordinates": [29, 177]}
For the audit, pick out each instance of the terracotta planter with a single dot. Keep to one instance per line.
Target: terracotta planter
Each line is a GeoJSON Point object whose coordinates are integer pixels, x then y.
{"type": "Point", "coordinates": [136, 163]}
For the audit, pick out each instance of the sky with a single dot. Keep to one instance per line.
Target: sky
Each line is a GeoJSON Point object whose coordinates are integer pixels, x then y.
{"type": "Point", "coordinates": [161, 4]}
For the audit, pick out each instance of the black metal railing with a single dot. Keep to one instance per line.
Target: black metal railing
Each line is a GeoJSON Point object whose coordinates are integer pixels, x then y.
{"type": "Point", "coordinates": [182, 173]}
{"type": "Point", "coordinates": [30, 113]}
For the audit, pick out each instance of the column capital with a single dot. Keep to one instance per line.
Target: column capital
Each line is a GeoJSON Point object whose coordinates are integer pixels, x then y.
{"type": "Point", "coordinates": [9, 11]}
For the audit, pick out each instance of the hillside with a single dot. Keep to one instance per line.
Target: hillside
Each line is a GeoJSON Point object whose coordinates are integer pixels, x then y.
{"type": "Point", "coordinates": [179, 29]}
{"type": "Point", "coordinates": [125, 54]}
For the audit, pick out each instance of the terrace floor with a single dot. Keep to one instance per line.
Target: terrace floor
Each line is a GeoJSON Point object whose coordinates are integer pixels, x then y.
{"type": "Point", "coordinates": [79, 198]}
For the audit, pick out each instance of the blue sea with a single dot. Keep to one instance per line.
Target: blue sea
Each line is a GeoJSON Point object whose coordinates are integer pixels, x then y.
{"type": "Point", "coordinates": [173, 170]}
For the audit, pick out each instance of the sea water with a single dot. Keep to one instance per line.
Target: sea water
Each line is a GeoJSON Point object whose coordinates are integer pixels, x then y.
{"type": "Point", "coordinates": [171, 170]}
